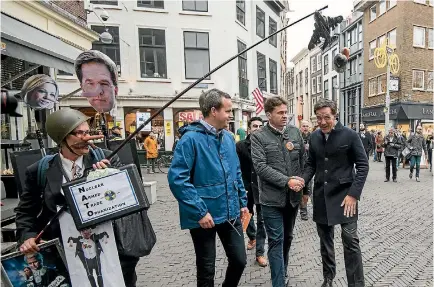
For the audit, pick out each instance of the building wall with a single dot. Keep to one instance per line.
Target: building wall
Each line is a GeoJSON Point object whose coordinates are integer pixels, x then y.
{"type": "Point", "coordinates": [301, 92]}
{"type": "Point", "coordinates": [224, 30]}
{"type": "Point", "coordinates": [316, 74]}
{"type": "Point", "coordinates": [402, 17]}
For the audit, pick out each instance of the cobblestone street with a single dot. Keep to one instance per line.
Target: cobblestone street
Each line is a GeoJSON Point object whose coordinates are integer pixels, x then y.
{"type": "Point", "coordinates": [395, 230]}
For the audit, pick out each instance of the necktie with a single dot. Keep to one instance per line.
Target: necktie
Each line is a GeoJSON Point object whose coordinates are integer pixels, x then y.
{"type": "Point", "coordinates": [76, 171]}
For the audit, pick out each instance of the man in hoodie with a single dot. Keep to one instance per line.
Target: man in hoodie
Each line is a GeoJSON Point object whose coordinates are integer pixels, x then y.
{"type": "Point", "coordinates": [205, 178]}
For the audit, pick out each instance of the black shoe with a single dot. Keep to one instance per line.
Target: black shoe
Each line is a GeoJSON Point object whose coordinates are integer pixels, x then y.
{"type": "Point", "coordinates": [394, 180]}
{"type": "Point", "coordinates": [410, 175]}
{"type": "Point", "coordinates": [327, 282]}
{"type": "Point", "coordinates": [387, 180]}
{"type": "Point", "coordinates": [304, 217]}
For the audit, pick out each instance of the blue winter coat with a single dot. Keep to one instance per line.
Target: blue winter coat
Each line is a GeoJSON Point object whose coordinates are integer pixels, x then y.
{"type": "Point", "coordinates": [205, 176]}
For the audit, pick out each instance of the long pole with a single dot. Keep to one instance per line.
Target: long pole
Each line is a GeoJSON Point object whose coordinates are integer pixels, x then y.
{"type": "Point", "coordinates": [386, 114]}
{"type": "Point", "coordinates": [200, 80]}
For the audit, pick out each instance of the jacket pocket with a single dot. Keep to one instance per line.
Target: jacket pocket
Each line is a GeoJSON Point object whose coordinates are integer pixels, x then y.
{"type": "Point", "coordinates": [346, 180]}
{"type": "Point", "coordinates": [343, 147]}
{"type": "Point", "coordinates": [214, 199]}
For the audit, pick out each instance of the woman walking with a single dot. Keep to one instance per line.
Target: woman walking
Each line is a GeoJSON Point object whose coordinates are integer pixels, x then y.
{"type": "Point", "coordinates": [379, 141]}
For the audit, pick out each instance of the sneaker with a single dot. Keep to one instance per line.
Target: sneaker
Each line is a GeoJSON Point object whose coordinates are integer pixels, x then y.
{"type": "Point", "coordinates": [251, 244]}
{"type": "Point", "coordinates": [262, 261]}
{"type": "Point", "coordinates": [387, 180]}
{"type": "Point", "coordinates": [417, 179]}
{"type": "Point", "coordinates": [410, 175]}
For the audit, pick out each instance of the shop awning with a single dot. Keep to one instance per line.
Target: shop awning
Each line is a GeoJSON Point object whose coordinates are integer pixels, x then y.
{"type": "Point", "coordinates": [24, 42]}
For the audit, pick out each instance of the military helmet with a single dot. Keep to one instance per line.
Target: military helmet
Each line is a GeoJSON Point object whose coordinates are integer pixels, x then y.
{"type": "Point", "coordinates": [62, 122]}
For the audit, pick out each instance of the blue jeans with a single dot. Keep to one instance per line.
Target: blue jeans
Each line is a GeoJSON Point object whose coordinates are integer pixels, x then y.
{"type": "Point", "coordinates": [279, 224]}
{"type": "Point", "coordinates": [415, 159]}
{"type": "Point", "coordinates": [375, 155]}
{"type": "Point", "coordinates": [257, 233]}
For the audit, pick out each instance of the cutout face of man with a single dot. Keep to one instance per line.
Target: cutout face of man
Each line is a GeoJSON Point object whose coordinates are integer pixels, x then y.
{"type": "Point", "coordinates": [98, 87]}
{"type": "Point", "coordinates": [43, 97]}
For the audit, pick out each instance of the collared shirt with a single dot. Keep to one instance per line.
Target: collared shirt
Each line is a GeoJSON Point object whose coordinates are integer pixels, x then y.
{"type": "Point", "coordinates": [282, 131]}
{"type": "Point", "coordinates": [70, 165]}
{"type": "Point", "coordinates": [210, 127]}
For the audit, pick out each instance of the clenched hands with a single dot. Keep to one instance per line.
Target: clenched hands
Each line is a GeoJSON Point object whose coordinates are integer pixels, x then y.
{"type": "Point", "coordinates": [350, 204]}
{"type": "Point", "coordinates": [296, 183]}
{"type": "Point", "coordinates": [206, 221]}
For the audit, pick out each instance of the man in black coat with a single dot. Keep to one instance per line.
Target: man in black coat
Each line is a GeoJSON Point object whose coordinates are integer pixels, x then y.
{"type": "Point", "coordinates": [306, 138]}
{"type": "Point", "coordinates": [392, 145]}
{"type": "Point", "coordinates": [367, 140]}
{"type": "Point", "coordinates": [334, 150]}
{"type": "Point", "coordinates": [250, 179]}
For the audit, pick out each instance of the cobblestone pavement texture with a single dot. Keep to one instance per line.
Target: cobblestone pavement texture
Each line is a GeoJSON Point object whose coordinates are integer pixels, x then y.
{"type": "Point", "coordinates": [395, 230]}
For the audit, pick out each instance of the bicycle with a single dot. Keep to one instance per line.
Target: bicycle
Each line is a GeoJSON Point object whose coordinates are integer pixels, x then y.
{"type": "Point", "coordinates": [163, 162]}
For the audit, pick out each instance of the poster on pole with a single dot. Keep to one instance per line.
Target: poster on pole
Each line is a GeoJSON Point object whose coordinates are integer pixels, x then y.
{"type": "Point", "coordinates": [141, 118]}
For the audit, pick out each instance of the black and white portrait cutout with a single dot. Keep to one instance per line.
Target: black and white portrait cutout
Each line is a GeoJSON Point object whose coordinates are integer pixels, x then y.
{"type": "Point", "coordinates": [91, 254]}
{"type": "Point", "coordinates": [40, 92]}
{"type": "Point", "coordinates": [98, 78]}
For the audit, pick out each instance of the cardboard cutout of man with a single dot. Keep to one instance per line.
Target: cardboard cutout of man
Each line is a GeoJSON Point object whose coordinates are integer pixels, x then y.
{"type": "Point", "coordinates": [98, 78]}
{"type": "Point", "coordinates": [88, 249]}
{"type": "Point", "coordinates": [42, 275]}
{"type": "Point", "coordinates": [40, 92]}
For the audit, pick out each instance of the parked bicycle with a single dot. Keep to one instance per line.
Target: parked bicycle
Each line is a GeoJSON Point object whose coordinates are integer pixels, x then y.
{"type": "Point", "coordinates": [163, 162]}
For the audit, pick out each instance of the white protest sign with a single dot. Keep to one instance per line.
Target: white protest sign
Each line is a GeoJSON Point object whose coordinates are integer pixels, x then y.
{"type": "Point", "coordinates": [103, 196]}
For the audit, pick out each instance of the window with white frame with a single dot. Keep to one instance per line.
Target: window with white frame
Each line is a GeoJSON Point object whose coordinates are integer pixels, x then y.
{"type": "Point", "coordinates": [262, 71]}
{"type": "Point", "coordinates": [150, 4]}
{"type": "Point", "coordinates": [360, 36]}
{"type": "Point", "coordinates": [313, 64]}
{"type": "Point", "coordinates": [429, 82]}
{"type": "Point", "coordinates": [335, 88]}
{"type": "Point", "coordinates": [195, 5]}
{"type": "Point", "coordinates": [152, 46]}
{"type": "Point", "coordinates": [313, 85]}
{"type": "Point", "coordinates": [318, 84]}
{"type": "Point", "coordinates": [381, 40]}
{"type": "Point", "coordinates": [431, 2]}
{"type": "Point", "coordinates": [381, 81]}
{"type": "Point", "coordinates": [353, 66]}
{"type": "Point", "coordinates": [301, 77]}
{"type": "Point", "coordinates": [418, 36]}
{"type": "Point", "coordinates": [382, 7]}
{"type": "Point", "coordinates": [296, 82]}
{"type": "Point", "coordinates": [420, 1]}
{"type": "Point", "coordinates": [313, 105]}
{"type": "Point", "coordinates": [391, 36]}
{"type": "Point", "coordinates": [318, 62]}
{"type": "Point", "coordinates": [372, 47]}
{"type": "Point", "coordinates": [196, 54]}
{"type": "Point", "coordinates": [112, 50]}
{"type": "Point", "coordinates": [431, 38]}
{"type": "Point", "coordinates": [326, 64]}
{"type": "Point", "coordinates": [334, 52]}
{"type": "Point", "coordinates": [373, 12]}
{"type": "Point", "coordinates": [418, 79]}
{"type": "Point", "coordinates": [105, 2]}
{"type": "Point", "coordinates": [392, 3]}
{"type": "Point", "coordinates": [291, 106]}
{"type": "Point", "coordinates": [326, 89]}
{"type": "Point", "coordinates": [273, 76]}
{"type": "Point", "coordinates": [241, 11]}
{"type": "Point", "coordinates": [306, 81]}
{"type": "Point", "coordinates": [260, 22]}
{"type": "Point", "coordinates": [272, 27]}
{"type": "Point", "coordinates": [372, 87]}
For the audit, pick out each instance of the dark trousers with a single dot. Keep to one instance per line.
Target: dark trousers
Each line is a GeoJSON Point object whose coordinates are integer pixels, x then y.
{"type": "Point", "coordinates": [151, 161]}
{"type": "Point", "coordinates": [367, 152]}
{"type": "Point", "coordinates": [379, 154]}
{"type": "Point", "coordinates": [430, 158]}
{"type": "Point", "coordinates": [257, 233]}
{"type": "Point", "coordinates": [128, 266]}
{"type": "Point", "coordinates": [204, 241]}
{"type": "Point", "coordinates": [279, 224]}
{"type": "Point", "coordinates": [391, 160]}
{"type": "Point", "coordinates": [90, 265]}
{"type": "Point", "coordinates": [352, 253]}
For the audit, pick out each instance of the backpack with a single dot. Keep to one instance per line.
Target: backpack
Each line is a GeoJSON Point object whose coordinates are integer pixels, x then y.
{"type": "Point", "coordinates": [97, 154]}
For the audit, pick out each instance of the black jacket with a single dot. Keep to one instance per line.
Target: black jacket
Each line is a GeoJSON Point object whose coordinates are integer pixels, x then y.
{"type": "Point", "coordinates": [332, 162]}
{"type": "Point", "coordinates": [392, 147]}
{"type": "Point", "coordinates": [275, 164]}
{"type": "Point", "coordinates": [367, 140]}
{"type": "Point", "coordinates": [38, 205]}
{"type": "Point", "coordinates": [250, 179]}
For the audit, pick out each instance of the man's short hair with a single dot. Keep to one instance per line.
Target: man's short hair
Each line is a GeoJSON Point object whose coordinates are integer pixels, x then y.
{"type": "Point", "coordinates": [273, 102]}
{"type": "Point", "coordinates": [211, 99]}
{"type": "Point", "coordinates": [93, 56]}
{"type": "Point", "coordinates": [325, 103]}
{"type": "Point", "coordinates": [249, 123]}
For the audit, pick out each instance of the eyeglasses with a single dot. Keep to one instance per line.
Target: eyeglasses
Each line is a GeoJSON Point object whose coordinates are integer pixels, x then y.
{"type": "Point", "coordinates": [80, 133]}
{"type": "Point", "coordinates": [91, 89]}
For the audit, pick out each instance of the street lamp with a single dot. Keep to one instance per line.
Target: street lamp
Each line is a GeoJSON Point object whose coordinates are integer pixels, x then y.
{"type": "Point", "coordinates": [105, 36]}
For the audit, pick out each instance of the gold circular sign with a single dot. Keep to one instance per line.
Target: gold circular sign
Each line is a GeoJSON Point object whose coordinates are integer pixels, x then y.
{"type": "Point", "coordinates": [289, 145]}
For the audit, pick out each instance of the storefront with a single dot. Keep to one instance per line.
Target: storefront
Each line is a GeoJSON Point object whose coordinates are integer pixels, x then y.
{"type": "Point", "coordinates": [404, 116]}
{"type": "Point", "coordinates": [134, 117]}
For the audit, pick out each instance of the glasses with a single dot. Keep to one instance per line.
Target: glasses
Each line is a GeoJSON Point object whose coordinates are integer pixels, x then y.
{"type": "Point", "coordinates": [80, 133]}
{"type": "Point", "coordinates": [94, 89]}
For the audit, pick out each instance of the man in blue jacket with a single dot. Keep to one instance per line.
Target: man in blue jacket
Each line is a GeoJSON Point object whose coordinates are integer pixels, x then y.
{"type": "Point", "coordinates": [205, 178]}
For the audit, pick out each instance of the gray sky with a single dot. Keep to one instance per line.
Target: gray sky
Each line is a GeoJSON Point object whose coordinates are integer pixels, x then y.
{"type": "Point", "coordinates": [299, 35]}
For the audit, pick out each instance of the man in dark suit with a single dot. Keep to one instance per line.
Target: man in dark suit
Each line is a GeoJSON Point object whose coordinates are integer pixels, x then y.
{"type": "Point", "coordinates": [250, 180]}
{"type": "Point", "coordinates": [334, 150]}
{"type": "Point", "coordinates": [38, 204]}
{"type": "Point", "coordinates": [367, 140]}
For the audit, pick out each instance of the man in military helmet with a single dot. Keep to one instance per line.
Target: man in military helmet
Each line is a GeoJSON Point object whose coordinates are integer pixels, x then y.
{"type": "Point", "coordinates": [38, 202]}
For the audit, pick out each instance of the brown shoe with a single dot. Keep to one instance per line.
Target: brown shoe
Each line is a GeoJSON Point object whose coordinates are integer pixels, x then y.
{"type": "Point", "coordinates": [251, 244]}
{"type": "Point", "coordinates": [262, 261]}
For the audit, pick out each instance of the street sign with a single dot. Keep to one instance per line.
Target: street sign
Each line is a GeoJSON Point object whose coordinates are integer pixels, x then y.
{"type": "Point", "coordinates": [394, 84]}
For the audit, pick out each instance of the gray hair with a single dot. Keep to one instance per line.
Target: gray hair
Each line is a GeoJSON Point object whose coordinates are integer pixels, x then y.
{"type": "Point", "coordinates": [36, 81]}
{"type": "Point", "coordinates": [325, 103]}
{"type": "Point", "coordinates": [94, 56]}
{"type": "Point", "coordinates": [211, 99]}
